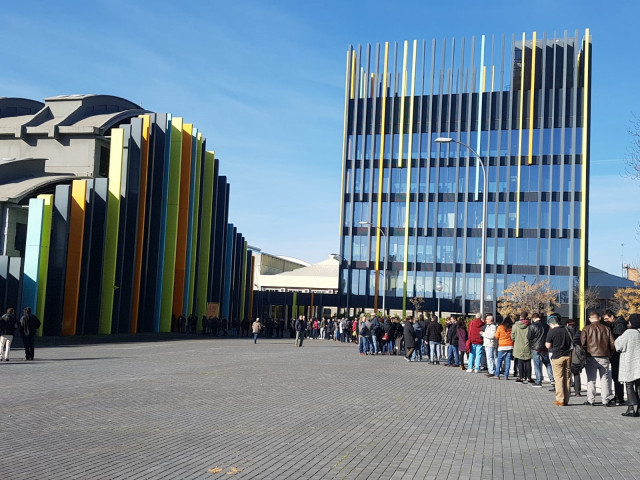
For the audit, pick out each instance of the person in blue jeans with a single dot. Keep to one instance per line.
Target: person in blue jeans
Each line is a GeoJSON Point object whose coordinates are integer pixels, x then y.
{"type": "Point", "coordinates": [419, 338]}
{"type": "Point", "coordinates": [434, 337]}
{"type": "Point", "coordinates": [505, 348]}
{"type": "Point", "coordinates": [476, 340]}
{"type": "Point", "coordinates": [453, 359]}
{"type": "Point", "coordinates": [256, 327]}
{"type": "Point", "coordinates": [537, 337]}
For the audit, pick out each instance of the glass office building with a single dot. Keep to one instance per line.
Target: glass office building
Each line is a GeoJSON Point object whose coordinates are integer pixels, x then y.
{"type": "Point", "coordinates": [411, 210]}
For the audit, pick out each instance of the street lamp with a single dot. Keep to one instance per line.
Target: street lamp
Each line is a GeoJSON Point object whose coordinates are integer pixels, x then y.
{"type": "Point", "coordinates": [439, 289]}
{"type": "Point", "coordinates": [485, 194]}
{"type": "Point", "coordinates": [384, 267]}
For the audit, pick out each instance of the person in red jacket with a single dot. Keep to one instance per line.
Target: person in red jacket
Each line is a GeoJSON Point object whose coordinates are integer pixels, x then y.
{"type": "Point", "coordinates": [475, 338]}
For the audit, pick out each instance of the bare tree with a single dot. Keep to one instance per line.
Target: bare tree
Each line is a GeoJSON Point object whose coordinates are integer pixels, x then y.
{"type": "Point", "coordinates": [418, 303]}
{"type": "Point", "coordinates": [591, 296]}
{"type": "Point", "coordinates": [523, 296]}
{"type": "Point", "coordinates": [633, 155]}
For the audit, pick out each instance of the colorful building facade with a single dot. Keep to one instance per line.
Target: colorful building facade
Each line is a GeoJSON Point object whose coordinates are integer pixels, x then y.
{"type": "Point", "coordinates": [127, 223]}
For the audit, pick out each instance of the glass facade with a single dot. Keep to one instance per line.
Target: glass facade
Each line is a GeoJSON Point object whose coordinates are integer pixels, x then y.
{"type": "Point", "coordinates": [529, 123]}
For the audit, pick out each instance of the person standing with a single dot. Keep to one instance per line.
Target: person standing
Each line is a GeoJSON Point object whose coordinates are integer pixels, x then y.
{"type": "Point", "coordinates": [409, 339]}
{"type": "Point", "coordinates": [618, 327]}
{"type": "Point", "coordinates": [453, 359]}
{"type": "Point", "coordinates": [597, 341]}
{"type": "Point", "coordinates": [559, 343]}
{"type": "Point", "coordinates": [256, 327]}
{"type": "Point", "coordinates": [29, 325]}
{"type": "Point", "coordinates": [434, 337]}
{"type": "Point", "coordinates": [418, 333]}
{"type": "Point", "coordinates": [463, 336]}
{"type": "Point", "coordinates": [505, 347]}
{"type": "Point", "coordinates": [628, 344]}
{"type": "Point", "coordinates": [537, 340]}
{"type": "Point", "coordinates": [375, 332]}
{"type": "Point", "coordinates": [475, 339]}
{"type": "Point", "coordinates": [490, 343]}
{"type": "Point", "coordinates": [522, 349]}
{"type": "Point", "coordinates": [8, 326]}
{"type": "Point", "coordinates": [578, 356]}
{"type": "Point", "coordinates": [300, 329]}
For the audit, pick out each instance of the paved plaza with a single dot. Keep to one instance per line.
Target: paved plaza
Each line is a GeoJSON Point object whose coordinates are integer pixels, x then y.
{"type": "Point", "coordinates": [226, 408]}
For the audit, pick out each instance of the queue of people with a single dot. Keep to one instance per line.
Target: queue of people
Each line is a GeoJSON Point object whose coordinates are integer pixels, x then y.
{"type": "Point", "coordinates": [607, 346]}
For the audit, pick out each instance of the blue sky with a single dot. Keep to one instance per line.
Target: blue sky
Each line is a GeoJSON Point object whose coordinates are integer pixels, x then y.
{"type": "Point", "coordinates": [264, 81]}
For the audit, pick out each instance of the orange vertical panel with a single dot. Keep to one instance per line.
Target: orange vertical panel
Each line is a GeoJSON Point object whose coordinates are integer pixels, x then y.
{"type": "Point", "coordinates": [74, 257]}
{"type": "Point", "coordinates": [183, 220]}
{"type": "Point", "coordinates": [142, 204]}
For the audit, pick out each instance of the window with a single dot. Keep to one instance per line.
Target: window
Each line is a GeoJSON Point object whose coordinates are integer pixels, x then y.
{"type": "Point", "coordinates": [446, 214]}
{"type": "Point", "coordinates": [398, 210]}
{"type": "Point", "coordinates": [445, 250]}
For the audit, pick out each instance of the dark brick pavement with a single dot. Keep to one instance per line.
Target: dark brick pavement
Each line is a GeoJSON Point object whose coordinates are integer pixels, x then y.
{"type": "Point", "coordinates": [177, 408]}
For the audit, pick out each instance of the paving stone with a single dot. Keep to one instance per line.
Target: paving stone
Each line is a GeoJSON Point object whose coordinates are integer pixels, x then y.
{"type": "Point", "coordinates": [179, 407]}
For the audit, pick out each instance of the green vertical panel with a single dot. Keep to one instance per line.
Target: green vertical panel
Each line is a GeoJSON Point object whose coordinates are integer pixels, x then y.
{"type": "Point", "coordinates": [295, 305]}
{"type": "Point", "coordinates": [194, 233]}
{"type": "Point", "coordinates": [205, 233]}
{"type": "Point", "coordinates": [32, 255]}
{"type": "Point", "coordinates": [243, 285]}
{"type": "Point", "coordinates": [111, 230]}
{"type": "Point", "coordinates": [172, 225]}
{"type": "Point", "coordinates": [45, 242]}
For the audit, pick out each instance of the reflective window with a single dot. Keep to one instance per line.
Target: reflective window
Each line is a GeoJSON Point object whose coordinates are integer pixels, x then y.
{"type": "Point", "coordinates": [376, 179]}
{"type": "Point", "coordinates": [347, 180]}
{"type": "Point", "coordinates": [432, 179]}
{"type": "Point", "coordinates": [346, 248]}
{"type": "Point", "coordinates": [398, 211]}
{"type": "Point", "coordinates": [367, 180]}
{"type": "Point", "coordinates": [576, 215]}
{"type": "Point", "coordinates": [414, 180]}
{"type": "Point", "coordinates": [398, 180]}
{"type": "Point", "coordinates": [396, 249]}
{"type": "Point", "coordinates": [444, 250]}
{"type": "Point", "coordinates": [566, 184]}
{"type": "Point", "coordinates": [447, 180]}
{"type": "Point", "coordinates": [358, 147]}
{"type": "Point", "coordinates": [385, 180]}
{"type": "Point", "coordinates": [367, 147]}
{"type": "Point", "coordinates": [474, 215]}
{"type": "Point", "coordinates": [462, 180]}
{"type": "Point", "coordinates": [475, 180]}
{"type": "Point", "coordinates": [555, 178]}
{"type": "Point", "coordinates": [411, 252]}
{"type": "Point", "coordinates": [474, 247]}
{"type": "Point", "coordinates": [555, 215]}
{"type": "Point", "coordinates": [431, 215]}
{"type": "Point", "coordinates": [512, 214]}
{"type": "Point", "coordinates": [358, 181]}
{"type": "Point", "coordinates": [422, 184]}
{"type": "Point", "coordinates": [473, 286]}
{"type": "Point", "coordinates": [578, 178]}
{"type": "Point", "coordinates": [576, 252]}
{"type": "Point", "coordinates": [446, 215]}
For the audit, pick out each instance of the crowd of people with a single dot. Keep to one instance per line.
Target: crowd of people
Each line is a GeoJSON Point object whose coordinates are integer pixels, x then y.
{"type": "Point", "coordinates": [608, 348]}
{"type": "Point", "coordinates": [26, 326]}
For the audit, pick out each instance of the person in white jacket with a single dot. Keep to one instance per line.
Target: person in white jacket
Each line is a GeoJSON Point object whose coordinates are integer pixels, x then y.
{"type": "Point", "coordinates": [628, 344]}
{"type": "Point", "coordinates": [490, 343]}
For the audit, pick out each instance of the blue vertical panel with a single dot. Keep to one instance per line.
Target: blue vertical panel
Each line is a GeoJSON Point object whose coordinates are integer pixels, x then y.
{"type": "Point", "coordinates": [153, 223]}
{"type": "Point", "coordinates": [226, 294]}
{"type": "Point", "coordinates": [92, 257]}
{"type": "Point", "coordinates": [32, 254]}
{"type": "Point", "coordinates": [128, 231]}
{"type": "Point", "coordinates": [52, 324]}
{"type": "Point", "coordinates": [218, 260]}
{"type": "Point", "coordinates": [157, 307]}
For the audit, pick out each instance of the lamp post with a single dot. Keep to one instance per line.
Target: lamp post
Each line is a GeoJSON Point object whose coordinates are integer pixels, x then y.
{"type": "Point", "coordinates": [384, 267]}
{"type": "Point", "coordinates": [439, 289]}
{"type": "Point", "coordinates": [485, 194]}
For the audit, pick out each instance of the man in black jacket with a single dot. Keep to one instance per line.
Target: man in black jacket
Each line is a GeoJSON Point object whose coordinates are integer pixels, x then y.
{"type": "Point", "coordinates": [409, 339]}
{"type": "Point", "coordinates": [618, 327]}
{"type": "Point", "coordinates": [8, 326]}
{"type": "Point", "coordinates": [301, 326]}
{"type": "Point", "coordinates": [537, 337]}
{"type": "Point", "coordinates": [29, 325]}
{"type": "Point", "coordinates": [434, 337]}
{"type": "Point", "coordinates": [453, 359]}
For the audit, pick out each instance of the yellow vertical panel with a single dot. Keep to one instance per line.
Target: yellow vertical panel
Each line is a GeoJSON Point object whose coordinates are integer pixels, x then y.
{"type": "Point", "coordinates": [381, 171]}
{"type": "Point", "coordinates": [353, 74]}
{"type": "Point", "coordinates": [402, 102]}
{"type": "Point", "coordinates": [521, 103]}
{"type": "Point", "coordinates": [585, 179]}
{"type": "Point", "coordinates": [532, 96]}
{"type": "Point", "coordinates": [483, 85]}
